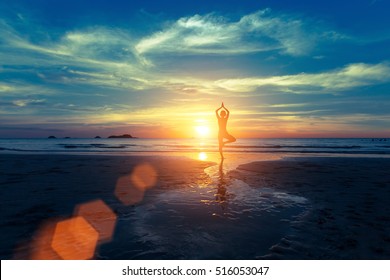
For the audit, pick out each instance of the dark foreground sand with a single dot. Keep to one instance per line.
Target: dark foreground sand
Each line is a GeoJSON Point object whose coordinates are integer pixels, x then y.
{"type": "Point", "coordinates": [349, 212]}
{"type": "Point", "coordinates": [39, 190]}
{"type": "Point", "coordinates": [165, 207]}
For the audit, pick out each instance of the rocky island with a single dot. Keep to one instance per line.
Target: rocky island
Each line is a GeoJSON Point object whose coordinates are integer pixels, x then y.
{"type": "Point", "coordinates": [121, 136]}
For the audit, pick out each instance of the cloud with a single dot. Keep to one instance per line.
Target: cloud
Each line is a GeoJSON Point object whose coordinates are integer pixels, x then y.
{"type": "Point", "coordinates": [23, 88]}
{"type": "Point", "coordinates": [109, 57]}
{"type": "Point", "coordinates": [6, 88]}
{"type": "Point", "coordinates": [350, 76]}
{"type": "Point", "coordinates": [102, 56]}
{"type": "Point", "coordinates": [25, 102]}
{"type": "Point", "coordinates": [93, 42]}
{"type": "Point", "coordinates": [256, 32]}
{"type": "Point", "coordinates": [94, 56]}
{"type": "Point", "coordinates": [86, 56]}
{"type": "Point", "coordinates": [97, 42]}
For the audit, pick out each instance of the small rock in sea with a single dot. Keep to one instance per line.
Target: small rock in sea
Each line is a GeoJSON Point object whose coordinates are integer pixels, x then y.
{"type": "Point", "coordinates": [121, 136]}
{"type": "Point", "coordinates": [51, 137]}
{"type": "Point", "coordinates": [97, 137]}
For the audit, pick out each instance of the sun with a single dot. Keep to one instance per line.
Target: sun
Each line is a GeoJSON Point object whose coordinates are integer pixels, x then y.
{"type": "Point", "coordinates": [202, 130]}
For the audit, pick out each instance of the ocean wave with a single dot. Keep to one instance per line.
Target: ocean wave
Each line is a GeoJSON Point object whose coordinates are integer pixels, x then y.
{"type": "Point", "coordinates": [17, 150]}
{"type": "Point", "coordinates": [304, 146]}
{"type": "Point", "coordinates": [294, 147]}
{"type": "Point", "coordinates": [281, 151]}
{"type": "Point", "coordinates": [94, 146]}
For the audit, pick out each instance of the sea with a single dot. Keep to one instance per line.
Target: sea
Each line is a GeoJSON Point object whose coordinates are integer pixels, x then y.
{"type": "Point", "coordinates": [358, 146]}
{"type": "Point", "coordinates": [219, 216]}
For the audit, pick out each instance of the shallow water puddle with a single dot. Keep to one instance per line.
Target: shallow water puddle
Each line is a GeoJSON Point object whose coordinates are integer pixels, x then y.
{"type": "Point", "coordinates": [226, 219]}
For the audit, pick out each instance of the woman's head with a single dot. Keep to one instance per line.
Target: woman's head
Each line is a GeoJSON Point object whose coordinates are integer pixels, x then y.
{"type": "Point", "coordinates": [222, 114]}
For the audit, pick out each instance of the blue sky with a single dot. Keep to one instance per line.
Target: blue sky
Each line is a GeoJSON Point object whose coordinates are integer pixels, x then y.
{"type": "Point", "coordinates": [160, 68]}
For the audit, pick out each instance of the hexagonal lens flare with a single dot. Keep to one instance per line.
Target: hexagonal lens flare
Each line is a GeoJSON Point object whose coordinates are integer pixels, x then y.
{"type": "Point", "coordinates": [75, 239]}
{"type": "Point", "coordinates": [100, 216]}
{"type": "Point", "coordinates": [130, 189]}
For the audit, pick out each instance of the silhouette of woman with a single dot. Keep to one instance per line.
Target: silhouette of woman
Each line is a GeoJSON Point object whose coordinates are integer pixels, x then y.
{"type": "Point", "coordinates": [223, 117]}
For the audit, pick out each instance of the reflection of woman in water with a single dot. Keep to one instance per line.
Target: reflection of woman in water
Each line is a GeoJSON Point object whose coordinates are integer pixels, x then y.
{"type": "Point", "coordinates": [221, 191]}
{"type": "Point", "coordinates": [223, 117]}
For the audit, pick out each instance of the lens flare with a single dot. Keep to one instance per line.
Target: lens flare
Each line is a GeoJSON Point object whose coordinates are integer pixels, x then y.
{"type": "Point", "coordinates": [100, 216]}
{"type": "Point", "coordinates": [130, 188]}
{"type": "Point", "coordinates": [144, 176]}
{"type": "Point", "coordinates": [75, 239]}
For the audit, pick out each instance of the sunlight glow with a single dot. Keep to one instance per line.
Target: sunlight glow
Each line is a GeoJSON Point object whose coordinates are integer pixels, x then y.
{"type": "Point", "coordinates": [202, 156]}
{"type": "Point", "coordinates": [202, 131]}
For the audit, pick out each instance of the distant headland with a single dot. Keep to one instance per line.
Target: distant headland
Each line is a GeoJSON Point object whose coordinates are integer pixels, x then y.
{"type": "Point", "coordinates": [122, 136]}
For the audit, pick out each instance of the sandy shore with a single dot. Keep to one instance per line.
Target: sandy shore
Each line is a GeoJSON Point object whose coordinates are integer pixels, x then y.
{"type": "Point", "coordinates": [348, 213]}
{"type": "Point", "coordinates": [37, 191]}
{"type": "Point", "coordinates": [169, 207]}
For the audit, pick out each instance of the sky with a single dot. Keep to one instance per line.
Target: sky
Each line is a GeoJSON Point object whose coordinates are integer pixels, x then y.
{"type": "Point", "coordinates": [160, 68]}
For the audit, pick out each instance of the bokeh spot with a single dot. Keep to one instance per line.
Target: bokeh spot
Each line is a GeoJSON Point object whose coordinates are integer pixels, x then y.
{"type": "Point", "coordinates": [75, 239]}
{"type": "Point", "coordinates": [126, 192]}
{"type": "Point", "coordinates": [100, 216]}
{"type": "Point", "coordinates": [144, 176]}
{"type": "Point", "coordinates": [130, 189]}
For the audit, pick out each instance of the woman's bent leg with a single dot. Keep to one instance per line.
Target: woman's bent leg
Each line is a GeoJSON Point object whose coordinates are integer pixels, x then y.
{"type": "Point", "coordinates": [230, 138]}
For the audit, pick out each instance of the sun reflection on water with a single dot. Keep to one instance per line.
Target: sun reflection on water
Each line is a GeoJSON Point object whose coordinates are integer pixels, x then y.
{"type": "Point", "coordinates": [202, 156]}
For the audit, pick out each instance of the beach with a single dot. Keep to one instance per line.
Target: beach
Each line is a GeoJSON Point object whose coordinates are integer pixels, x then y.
{"type": "Point", "coordinates": [171, 206]}
{"type": "Point", "coordinates": [36, 189]}
{"type": "Point", "coordinates": [349, 212]}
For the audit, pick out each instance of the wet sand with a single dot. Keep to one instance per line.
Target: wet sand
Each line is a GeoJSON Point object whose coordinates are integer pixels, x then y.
{"type": "Point", "coordinates": [348, 213]}
{"type": "Point", "coordinates": [170, 207]}
{"type": "Point", "coordinates": [37, 191]}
